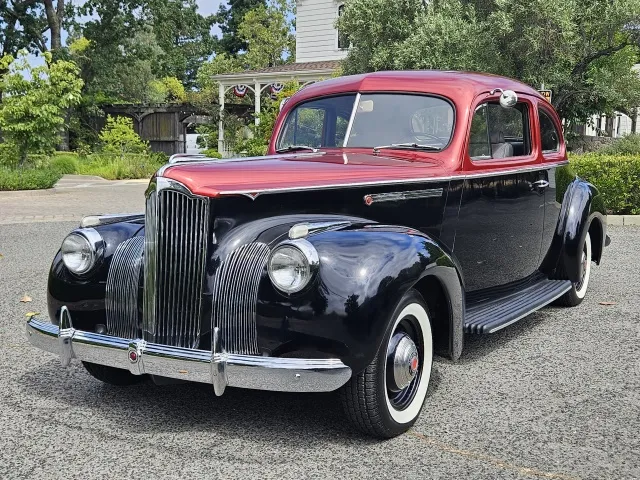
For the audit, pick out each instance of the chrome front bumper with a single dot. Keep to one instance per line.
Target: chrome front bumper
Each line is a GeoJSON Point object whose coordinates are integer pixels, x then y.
{"type": "Point", "coordinates": [217, 367]}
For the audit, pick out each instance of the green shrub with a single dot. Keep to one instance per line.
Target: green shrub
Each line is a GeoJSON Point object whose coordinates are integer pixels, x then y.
{"type": "Point", "coordinates": [9, 155]}
{"type": "Point", "coordinates": [113, 167]}
{"type": "Point", "coordinates": [212, 153]}
{"type": "Point", "coordinates": [617, 177]}
{"type": "Point", "coordinates": [28, 179]}
{"type": "Point", "coordinates": [119, 138]}
{"type": "Point", "coordinates": [627, 145]}
{"type": "Point", "coordinates": [65, 164]}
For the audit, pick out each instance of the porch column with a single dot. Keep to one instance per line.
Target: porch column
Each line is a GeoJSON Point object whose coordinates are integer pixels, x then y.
{"type": "Point", "coordinates": [220, 126]}
{"type": "Point", "coordinates": [257, 95]}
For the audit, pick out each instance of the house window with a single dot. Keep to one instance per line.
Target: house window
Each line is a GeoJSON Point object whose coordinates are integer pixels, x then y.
{"type": "Point", "coordinates": [343, 38]}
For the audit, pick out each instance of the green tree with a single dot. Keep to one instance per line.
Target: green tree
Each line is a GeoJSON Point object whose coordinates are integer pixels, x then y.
{"type": "Point", "coordinates": [35, 103]}
{"type": "Point", "coordinates": [22, 27]}
{"type": "Point", "coordinates": [118, 137]}
{"type": "Point", "coordinates": [582, 49]}
{"type": "Point", "coordinates": [184, 35]}
{"type": "Point", "coordinates": [229, 18]}
{"type": "Point", "coordinates": [268, 33]}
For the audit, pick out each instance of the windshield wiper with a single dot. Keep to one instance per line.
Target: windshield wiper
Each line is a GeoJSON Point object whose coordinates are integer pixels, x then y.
{"type": "Point", "coordinates": [295, 148]}
{"type": "Point", "coordinates": [408, 146]}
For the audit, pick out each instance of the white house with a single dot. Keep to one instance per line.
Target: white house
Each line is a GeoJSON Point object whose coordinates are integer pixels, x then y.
{"type": "Point", "coordinates": [319, 49]}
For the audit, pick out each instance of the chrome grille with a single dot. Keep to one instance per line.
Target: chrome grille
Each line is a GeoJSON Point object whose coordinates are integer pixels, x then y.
{"type": "Point", "coordinates": [235, 294]}
{"type": "Point", "coordinates": [175, 254]}
{"type": "Point", "coordinates": [123, 280]}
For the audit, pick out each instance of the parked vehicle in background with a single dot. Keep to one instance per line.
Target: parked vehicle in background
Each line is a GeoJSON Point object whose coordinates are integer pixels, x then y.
{"type": "Point", "coordinates": [395, 212]}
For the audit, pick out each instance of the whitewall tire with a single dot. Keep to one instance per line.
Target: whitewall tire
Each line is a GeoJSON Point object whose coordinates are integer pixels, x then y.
{"type": "Point", "coordinates": [579, 289]}
{"type": "Point", "coordinates": [386, 399]}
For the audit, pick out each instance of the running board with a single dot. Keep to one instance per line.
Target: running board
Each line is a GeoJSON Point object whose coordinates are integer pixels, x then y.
{"type": "Point", "coordinates": [492, 310]}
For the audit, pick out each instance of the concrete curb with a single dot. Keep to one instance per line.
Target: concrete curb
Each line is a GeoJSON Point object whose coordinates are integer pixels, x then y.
{"type": "Point", "coordinates": [626, 220]}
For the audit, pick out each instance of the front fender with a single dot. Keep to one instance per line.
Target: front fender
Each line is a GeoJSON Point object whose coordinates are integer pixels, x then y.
{"type": "Point", "coordinates": [582, 205]}
{"type": "Point", "coordinates": [364, 271]}
{"type": "Point", "coordinates": [84, 297]}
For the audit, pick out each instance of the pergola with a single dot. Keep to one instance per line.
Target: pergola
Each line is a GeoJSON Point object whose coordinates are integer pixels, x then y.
{"type": "Point", "coordinates": [257, 81]}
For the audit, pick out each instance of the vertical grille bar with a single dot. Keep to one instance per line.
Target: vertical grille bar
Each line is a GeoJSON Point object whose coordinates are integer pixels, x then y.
{"type": "Point", "coordinates": [121, 300]}
{"type": "Point", "coordinates": [175, 256]}
{"type": "Point", "coordinates": [235, 294]}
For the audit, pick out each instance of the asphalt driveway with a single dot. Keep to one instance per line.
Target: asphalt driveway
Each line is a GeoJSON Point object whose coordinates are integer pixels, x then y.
{"type": "Point", "coordinates": [556, 396]}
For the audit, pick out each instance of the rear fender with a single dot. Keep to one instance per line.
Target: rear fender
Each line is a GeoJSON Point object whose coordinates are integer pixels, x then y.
{"type": "Point", "coordinates": [582, 207]}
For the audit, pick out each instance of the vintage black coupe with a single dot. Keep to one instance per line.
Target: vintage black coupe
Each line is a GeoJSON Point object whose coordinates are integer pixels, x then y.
{"type": "Point", "coordinates": [395, 212]}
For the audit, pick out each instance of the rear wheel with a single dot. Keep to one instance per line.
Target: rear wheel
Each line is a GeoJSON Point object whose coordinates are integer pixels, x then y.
{"type": "Point", "coordinates": [579, 289]}
{"type": "Point", "coordinates": [385, 399]}
{"type": "Point", "coordinates": [113, 376]}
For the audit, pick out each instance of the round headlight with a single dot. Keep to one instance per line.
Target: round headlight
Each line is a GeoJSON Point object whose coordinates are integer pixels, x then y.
{"type": "Point", "coordinates": [291, 266]}
{"type": "Point", "coordinates": [81, 250]}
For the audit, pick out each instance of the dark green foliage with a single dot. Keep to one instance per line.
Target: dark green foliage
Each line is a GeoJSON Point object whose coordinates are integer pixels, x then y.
{"type": "Point", "coordinates": [229, 19]}
{"type": "Point", "coordinates": [627, 145]}
{"type": "Point", "coordinates": [212, 153]}
{"type": "Point", "coordinates": [64, 164]}
{"type": "Point", "coordinates": [617, 177]}
{"type": "Point", "coordinates": [28, 179]}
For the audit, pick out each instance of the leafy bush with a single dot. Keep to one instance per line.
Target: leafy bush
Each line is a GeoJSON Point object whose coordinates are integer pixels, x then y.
{"type": "Point", "coordinates": [119, 138]}
{"type": "Point", "coordinates": [64, 164]}
{"type": "Point", "coordinates": [9, 155]}
{"type": "Point", "coordinates": [617, 177]}
{"type": "Point", "coordinates": [627, 145]}
{"type": "Point", "coordinates": [28, 179]}
{"type": "Point", "coordinates": [212, 153]}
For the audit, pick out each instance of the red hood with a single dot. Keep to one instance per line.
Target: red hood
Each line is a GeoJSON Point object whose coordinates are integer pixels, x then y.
{"type": "Point", "coordinates": [297, 171]}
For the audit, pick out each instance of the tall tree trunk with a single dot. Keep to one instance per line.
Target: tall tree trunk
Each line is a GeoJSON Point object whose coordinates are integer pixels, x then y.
{"type": "Point", "coordinates": [634, 120]}
{"type": "Point", "coordinates": [54, 10]}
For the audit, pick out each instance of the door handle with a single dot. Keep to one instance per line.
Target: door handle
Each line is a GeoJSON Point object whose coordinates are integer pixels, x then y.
{"type": "Point", "coordinates": [541, 184]}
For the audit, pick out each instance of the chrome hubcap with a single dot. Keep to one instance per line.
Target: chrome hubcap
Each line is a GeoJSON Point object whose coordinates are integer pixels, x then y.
{"type": "Point", "coordinates": [402, 362]}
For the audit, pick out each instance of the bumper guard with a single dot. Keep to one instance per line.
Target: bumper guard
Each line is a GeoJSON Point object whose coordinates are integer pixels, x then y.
{"type": "Point", "coordinates": [217, 367]}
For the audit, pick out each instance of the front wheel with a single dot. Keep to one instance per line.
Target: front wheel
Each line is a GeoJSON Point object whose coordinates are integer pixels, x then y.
{"type": "Point", "coordinates": [579, 289]}
{"type": "Point", "coordinates": [385, 399]}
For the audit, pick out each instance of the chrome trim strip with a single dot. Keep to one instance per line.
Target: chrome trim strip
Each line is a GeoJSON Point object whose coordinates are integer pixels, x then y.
{"type": "Point", "coordinates": [351, 118]}
{"type": "Point", "coordinates": [401, 196]}
{"type": "Point", "coordinates": [302, 230]}
{"type": "Point", "coordinates": [216, 367]}
{"type": "Point", "coordinates": [98, 220]}
{"type": "Point", "coordinates": [445, 178]}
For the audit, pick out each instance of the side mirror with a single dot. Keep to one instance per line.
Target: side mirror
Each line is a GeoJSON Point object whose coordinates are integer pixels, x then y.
{"type": "Point", "coordinates": [508, 98]}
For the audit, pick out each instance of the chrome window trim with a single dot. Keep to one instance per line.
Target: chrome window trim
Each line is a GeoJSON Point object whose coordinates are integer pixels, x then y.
{"type": "Point", "coordinates": [354, 109]}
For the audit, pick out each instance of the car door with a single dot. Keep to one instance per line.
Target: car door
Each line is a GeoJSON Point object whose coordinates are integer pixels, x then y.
{"type": "Point", "coordinates": [501, 215]}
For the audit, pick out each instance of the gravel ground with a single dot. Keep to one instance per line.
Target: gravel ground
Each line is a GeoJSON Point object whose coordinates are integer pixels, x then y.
{"type": "Point", "coordinates": [555, 396]}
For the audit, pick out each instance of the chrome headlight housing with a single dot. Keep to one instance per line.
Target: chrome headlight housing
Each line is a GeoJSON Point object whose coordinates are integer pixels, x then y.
{"type": "Point", "coordinates": [82, 250]}
{"type": "Point", "coordinates": [292, 265]}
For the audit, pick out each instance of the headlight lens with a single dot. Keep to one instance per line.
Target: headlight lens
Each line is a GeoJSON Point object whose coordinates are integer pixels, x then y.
{"type": "Point", "coordinates": [81, 251]}
{"type": "Point", "coordinates": [291, 266]}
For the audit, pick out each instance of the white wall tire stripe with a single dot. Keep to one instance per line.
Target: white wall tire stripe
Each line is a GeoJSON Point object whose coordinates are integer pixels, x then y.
{"type": "Point", "coordinates": [585, 282]}
{"type": "Point", "coordinates": [411, 412]}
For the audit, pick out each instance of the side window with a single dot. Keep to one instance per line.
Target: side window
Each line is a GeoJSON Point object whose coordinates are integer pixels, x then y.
{"type": "Point", "coordinates": [498, 132]}
{"type": "Point", "coordinates": [548, 133]}
{"type": "Point", "coordinates": [304, 127]}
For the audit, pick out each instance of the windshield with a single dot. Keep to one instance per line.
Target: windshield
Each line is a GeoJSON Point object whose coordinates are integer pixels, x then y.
{"type": "Point", "coordinates": [379, 119]}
